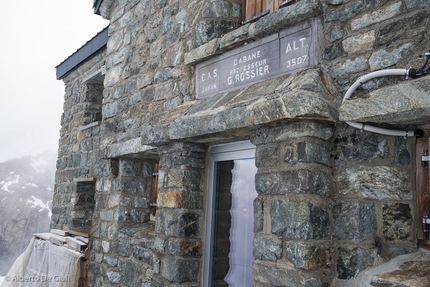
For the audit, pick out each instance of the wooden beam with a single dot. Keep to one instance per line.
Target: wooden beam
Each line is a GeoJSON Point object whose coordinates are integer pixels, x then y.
{"type": "Point", "coordinates": [60, 232]}
{"type": "Point", "coordinates": [76, 244]}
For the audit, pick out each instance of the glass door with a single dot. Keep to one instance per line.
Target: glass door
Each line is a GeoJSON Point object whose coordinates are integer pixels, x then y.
{"type": "Point", "coordinates": [230, 216]}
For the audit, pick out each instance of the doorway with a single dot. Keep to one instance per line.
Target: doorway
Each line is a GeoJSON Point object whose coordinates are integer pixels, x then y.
{"type": "Point", "coordinates": [230, 215]}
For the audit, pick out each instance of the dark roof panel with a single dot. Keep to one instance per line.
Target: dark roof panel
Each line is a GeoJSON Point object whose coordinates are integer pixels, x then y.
{"type": "Point", "coordinates": [98, 42]}
{"type": "Point", "coordinates": [96, 6]}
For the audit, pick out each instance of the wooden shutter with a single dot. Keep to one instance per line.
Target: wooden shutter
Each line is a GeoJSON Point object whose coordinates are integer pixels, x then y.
{"type": "Point", "coordinates": [253, 9]}
{"type": "Point", "coordinates": [154, 188]}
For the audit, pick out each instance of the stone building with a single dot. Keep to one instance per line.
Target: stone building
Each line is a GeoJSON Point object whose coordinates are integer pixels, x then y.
{"type": "Point", "coordinates": [203, 142]}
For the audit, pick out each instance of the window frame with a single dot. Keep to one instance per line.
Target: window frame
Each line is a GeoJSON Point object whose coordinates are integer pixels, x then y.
{"type": "Point", "coordinates": [230, 151]}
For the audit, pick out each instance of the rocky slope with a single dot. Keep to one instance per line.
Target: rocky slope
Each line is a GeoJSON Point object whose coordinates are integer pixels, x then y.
{"type": "Point", "coordinates": [26, 190]}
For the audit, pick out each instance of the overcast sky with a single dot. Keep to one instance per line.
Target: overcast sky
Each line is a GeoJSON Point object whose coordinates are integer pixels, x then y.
{"type": "Point", "coordinates": [35, 37]}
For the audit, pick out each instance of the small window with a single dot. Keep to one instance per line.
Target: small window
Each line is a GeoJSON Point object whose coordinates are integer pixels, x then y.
{"type": "Point", "coordinates": [83, 204]}
{"type": "Point", "coordinates": [254, 9]}
{"type": "Point", "coordinates": [93, 98]}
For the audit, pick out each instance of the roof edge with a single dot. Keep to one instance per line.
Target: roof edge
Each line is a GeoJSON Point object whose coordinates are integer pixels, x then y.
{"type": "Point", "coordinates": [96, 43]}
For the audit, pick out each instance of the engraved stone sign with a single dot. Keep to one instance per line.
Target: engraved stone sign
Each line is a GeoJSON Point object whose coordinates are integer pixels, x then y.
{"type": "Point", "coordinates": [286, 52]}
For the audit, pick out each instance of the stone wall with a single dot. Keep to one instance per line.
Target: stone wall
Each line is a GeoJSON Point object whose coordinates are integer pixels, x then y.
{"type": "Point", "coordinates": [78, 161]}
{"type": "Point", "coordinates": [293, 222]}
{"type": "Point", "coordinates": [332, 200]}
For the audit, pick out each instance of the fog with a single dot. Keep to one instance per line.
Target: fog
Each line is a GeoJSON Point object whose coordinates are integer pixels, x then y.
{"type": "Point", "coordinates": [37, 36]}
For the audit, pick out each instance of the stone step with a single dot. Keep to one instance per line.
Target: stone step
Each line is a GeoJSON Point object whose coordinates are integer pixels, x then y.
{"type": "Point", "coordinates": [409, 273]}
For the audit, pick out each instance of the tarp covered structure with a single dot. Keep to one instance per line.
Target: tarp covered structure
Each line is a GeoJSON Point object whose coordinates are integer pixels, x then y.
{"type": "Point", "coordinates": [44, 264]}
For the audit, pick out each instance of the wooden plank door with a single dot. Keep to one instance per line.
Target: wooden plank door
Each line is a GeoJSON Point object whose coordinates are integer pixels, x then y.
{"type": "Point", "coordinates": [423, 185]}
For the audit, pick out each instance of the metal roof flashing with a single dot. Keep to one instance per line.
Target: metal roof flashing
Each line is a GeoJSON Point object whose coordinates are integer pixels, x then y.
{"type": "Point", "coordinates": [91, 47]}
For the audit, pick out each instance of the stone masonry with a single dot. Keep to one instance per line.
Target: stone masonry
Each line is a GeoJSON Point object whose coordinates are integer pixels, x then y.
{"type": "Point", "coordinates": [332, 200]}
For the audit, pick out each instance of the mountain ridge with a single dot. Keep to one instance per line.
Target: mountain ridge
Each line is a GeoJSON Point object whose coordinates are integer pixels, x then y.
{"type": "Point", "coordinates": [26, 191]}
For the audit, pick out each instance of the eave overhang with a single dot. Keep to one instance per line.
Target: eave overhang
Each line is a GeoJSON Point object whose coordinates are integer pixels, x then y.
{"type": "Point", "coordinates": [97, 43]}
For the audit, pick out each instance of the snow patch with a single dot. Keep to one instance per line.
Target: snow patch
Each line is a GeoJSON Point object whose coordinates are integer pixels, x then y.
{"type": "Point", "coordinates": [31, 184]}
{"type": "Point", "coordinates": [8, 183]}
{"type": "Point", "coordinates": [37, 203]}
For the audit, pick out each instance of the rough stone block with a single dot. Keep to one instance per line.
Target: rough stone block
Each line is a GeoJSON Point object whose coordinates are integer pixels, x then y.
{"type": "Point", "coordinates": [235, 37]}
{"type": "Point", "coordinates": [354, 220]}
{"type": "Point", "coordinates": [397, 221]}
{"type": "Point", "coordinates": [354, 144]}
{"type": "Point", "coordinates": [184, 247]}
{"type": "Point", "coordinates": [180, 270]}
{"type": "Point", "coordinates": [383, 59]}
{"type": "Point", "coordinates": [359, 44]}
{"type": "Point", "coordinates": [417, 4]}
{"type": "Point", "coordinates": [203, 52]}
{"type": "Point", "coordinates": [106, 215]}
{"type": "Point", "coordinates": [293, 181]}
{"type": "Point", "coordinates": [350, 66]}
{"type": "Point", "coordinates": [186, 178]}
{"type": "Point", "coordinates": [129, 167]}
{"type": "Point", "coordinates": [299, 220]}
{"type": "Point", "coordinates": [143, 254]}
{"type": "Point", "coordinates": [413, 26]}
{"type": "Point", "coordinates": [129, 273]}
{"type": "Point", "coordinates": [332, 52]}
{"type": "Point", "coordinates": [306, 152]}
{"type": "Point", "coordinates": [310, 257]}
{"type": "Point", "coordinates": [344, 12]}
{"type": "Point", "coordinates": [110, 110]}
{"type": "Point", "coordinates": [178, 223]}
{"type": "Point", "coordinates": [352, 260]}
{"type": "Point", "coordinates": [110, 260]}
{"type": "Point", "coordinates": [124, 250]}
{"type": "Point", "coordinates": [141, 202]}
{"type": "Point", "coordinates": [276, 276]}
{"type": "Point", "coordinates": [180, 199]}
{"type": "Point", "coordinates": [96, 269]}
{"type": "Point", "coordinates": [411, 103]}
{"type": "Point", "coordinates": [97, 257]}
{"type": "Point", "coordinates": [269, 249]}
{"type": "Point", "coordinates": [266, 156]}
{"type": "Point", "coordinates": [210, 29]}
{"type": "Point", "coordinates": [292, 105]}
{"type": "Point", "coordinates": [387, 12]}
{"type": "Point", "coordinates": [258, 215]}
{"type": "Point", "coordinates": [375, 182]}
{"type": "Point", "coordinates": [112, 232]}
{"type": "Point", "coordinates": [286, 17]}
{"type": "Point", "coordinates": [113, 276]}
{"type": "Point", "coordinates": [401, 153]}
{"type": "Point", "coordinates": [294, 130]}
{"type": "Point", "coordinates": [130, 185]}
{"type": "Point", "coordinates": [394, 251]}
{"type": "Point", "coordinates": [216, 9]}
